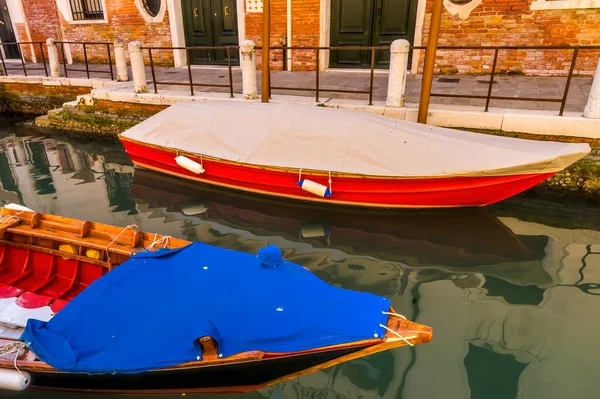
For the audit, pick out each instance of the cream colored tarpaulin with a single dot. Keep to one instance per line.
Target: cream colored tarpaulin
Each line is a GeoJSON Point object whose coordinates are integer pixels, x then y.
{"type": "Point", "coordinates": [308, 137]}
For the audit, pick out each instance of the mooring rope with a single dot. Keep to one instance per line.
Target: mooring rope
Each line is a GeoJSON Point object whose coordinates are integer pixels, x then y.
{"type": "Point", "coordinates": [5, 219]}
{"type": "Point", "coordinates": [164, 239]}
{"type": "Point", "coordinates": [13, 347]}
{"type": "Point", "coordinates": [398, 334]}
{"type": "Point", "coordinates": [394, 314]}
{"type": "Point", "coordinates": [115, 239]}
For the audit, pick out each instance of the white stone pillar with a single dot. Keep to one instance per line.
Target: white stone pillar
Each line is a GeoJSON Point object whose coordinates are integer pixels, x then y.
{"type": "Point", "coordinates": [592, 108]}
{"type": "Point", "coordinates": [397, 73]}
{"type": "Point", "coordinates": [248, 63]}
{"type": "Point", "coordinates": [53, 58]}
{"type": "Point", "coordinates": [121, 61]}
{"type": "Point", "coordinates": [138, 70]}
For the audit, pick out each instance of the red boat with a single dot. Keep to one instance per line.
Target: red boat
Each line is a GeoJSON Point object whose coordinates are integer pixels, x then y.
{"type": "Point", "coordinates": [340, 156]}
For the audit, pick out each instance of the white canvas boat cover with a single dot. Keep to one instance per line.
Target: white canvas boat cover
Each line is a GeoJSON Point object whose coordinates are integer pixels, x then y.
{"type": "Point", "coordinates": [318, 138]}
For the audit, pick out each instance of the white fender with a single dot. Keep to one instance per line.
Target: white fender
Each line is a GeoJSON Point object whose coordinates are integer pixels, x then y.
{"type": "Point", "coordinates": [189, 164]}
{"type": "Point", "coordinates": [315, 188]}
{"type": "Point", "coordinates": [13, 380]}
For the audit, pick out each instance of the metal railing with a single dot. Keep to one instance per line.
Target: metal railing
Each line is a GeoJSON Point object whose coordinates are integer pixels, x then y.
{"type": "Point", "coordinates": [190, 81]}
{"type": "Point", "coordinates": [488, 97]}
{"type": "Point", "coordinates": [24, 67]}
{"type": "Point", "coordinates": [318, 89]}
{"type": "Point", "coordinates": [85, 57]}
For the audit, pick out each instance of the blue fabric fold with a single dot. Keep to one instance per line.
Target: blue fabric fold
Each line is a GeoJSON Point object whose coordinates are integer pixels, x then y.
{"type": "Point", "coordinates": [150, 311]}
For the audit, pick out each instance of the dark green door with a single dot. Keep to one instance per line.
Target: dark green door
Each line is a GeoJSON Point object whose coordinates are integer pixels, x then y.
{"type": "Point", "coordinates": [210, 23]}
{"type": "Point", "coordinates": [369, 23]}
{"type": "Point", "coordinates": [7, 34]}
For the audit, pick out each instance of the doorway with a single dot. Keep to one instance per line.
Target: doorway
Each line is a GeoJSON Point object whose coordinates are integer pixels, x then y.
{"type": "Point", "coordinates": [210, 23]}
{"type": "Point", "coordinates": [7, 34]}
{"type": "Point", "coordinates": [369, 23]}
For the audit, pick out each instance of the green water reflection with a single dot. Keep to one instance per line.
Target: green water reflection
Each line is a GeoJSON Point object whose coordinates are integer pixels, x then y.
{"type": "Point", "coordinates": [510, 291]}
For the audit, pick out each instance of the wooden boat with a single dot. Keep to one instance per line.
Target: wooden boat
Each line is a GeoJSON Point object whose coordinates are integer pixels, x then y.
{"type": "Point", "coordinates": [340, 157]}
{"type": "Point", "coordinates": [47, 261]}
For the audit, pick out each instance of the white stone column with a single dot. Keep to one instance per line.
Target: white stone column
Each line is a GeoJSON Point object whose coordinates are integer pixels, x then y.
{"type": "Point", "coordinates": [592, 108]}
{"type": "Point", "coordinates": [248, 64]}
{"type": "Point", "coordinates": [397, 73]}
{"type": "Point", "coordinates": [121, 61]}
{"type": "Point", "coordinates": [53, 58]}
{"type": "Point", "coordinates": [138, 70]}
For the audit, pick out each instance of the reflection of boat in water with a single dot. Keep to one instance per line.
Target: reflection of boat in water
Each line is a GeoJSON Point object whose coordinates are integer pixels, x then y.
{"type": "Point", "coordinates": [453, 237]}
{"type": "Point", "coordinates": [230, 321]}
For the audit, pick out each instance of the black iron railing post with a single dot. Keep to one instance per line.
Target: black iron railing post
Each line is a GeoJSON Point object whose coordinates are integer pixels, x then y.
{"type": "Point", "coordinates": [22, 59]}
{"type": "Point", "coordinates": [489, 93]}
{"type": "Point", "coordinates": [317, 76]}
{"type": "Point", "coordinates": [189, 66]}
{"type": "Point", "coordinates": [152, 70]}
{"type": "Point", "coordinates": [87, 67]}
{"type": "Point", "coordinates": [3, 64]}
{"type": "Point", "coordinates": [43, 59]}
{"type": "Point", "coordinates": [62, 49]}
{"type": "Point", "coordinates": [112, 76]}
{"type": "Point", "coordinates": [372, 75]}
{"type": "Point", "coordinates": [230, 73]}
{"type": "Point", "coordinates": [568, 84]}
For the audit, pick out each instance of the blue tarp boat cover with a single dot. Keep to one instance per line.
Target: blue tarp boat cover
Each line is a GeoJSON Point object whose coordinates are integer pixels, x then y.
{"type": "Point", "coordinates": [150, 311]}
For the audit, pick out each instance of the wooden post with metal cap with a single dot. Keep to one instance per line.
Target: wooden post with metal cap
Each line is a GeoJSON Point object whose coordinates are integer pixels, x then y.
{"type": "Point", "coordinates": [266, 47]}
{"type": "Point", "coordinates": [432, 41]}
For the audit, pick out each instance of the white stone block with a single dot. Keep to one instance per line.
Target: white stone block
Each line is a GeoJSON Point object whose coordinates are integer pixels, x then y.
{"type": "Point", "coordinates": [81, 82]}
{"type": "Point", "coordinates": [52, 82]}
{"type": "Point", "coordinates": [549, 123]}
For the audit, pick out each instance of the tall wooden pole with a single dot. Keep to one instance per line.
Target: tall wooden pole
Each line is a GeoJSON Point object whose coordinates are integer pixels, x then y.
{"type": "Point", "coordinates": [266, 49]}
{"type": "Point", "coordinates": [432, 42]}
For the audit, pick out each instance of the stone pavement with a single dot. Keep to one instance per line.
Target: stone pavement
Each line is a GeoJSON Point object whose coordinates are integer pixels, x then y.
{"type": "Point", "coordinates": [511, 86]}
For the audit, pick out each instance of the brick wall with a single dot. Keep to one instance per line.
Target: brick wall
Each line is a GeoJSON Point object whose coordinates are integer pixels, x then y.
{"type": "Point", "coordinates": [125, 22]}
{"type": "Point", "coordinates": [512, 23]}
{"type": "Point", "coordinates": [24, 37]}
{"type": "Point", "coordinates": [305, 32]}
{"type": "Point", "coordinates": [42, 20]}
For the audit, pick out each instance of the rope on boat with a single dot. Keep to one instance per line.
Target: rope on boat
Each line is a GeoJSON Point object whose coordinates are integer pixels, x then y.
{"type": "Point", "coordinates": [14, 347]}
{"type": "Point", "coordinates": [115, 239]}
{"type": "Point", "coordinates": [397, 333]}
{"type": "Point", "coordinates": [394, 314]}
{"type": "Point", "coordinates": [156, 241]}
{"type": "Point", "coordinates": [7, 218]}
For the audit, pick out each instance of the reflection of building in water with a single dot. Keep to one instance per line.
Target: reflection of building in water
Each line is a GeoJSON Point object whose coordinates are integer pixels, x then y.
{"type": "Point", "coordinates": [522, 341]}
{"type": "Point", "coordinates": [45, 175]}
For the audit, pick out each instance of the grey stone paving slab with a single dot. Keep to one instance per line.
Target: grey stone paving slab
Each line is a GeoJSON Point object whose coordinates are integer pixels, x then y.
{"type": "Point", "coordinates": [512, 86]}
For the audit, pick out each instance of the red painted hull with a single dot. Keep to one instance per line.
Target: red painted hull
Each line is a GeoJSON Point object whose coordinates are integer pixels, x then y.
{"type": "Point", "coordinates": [347, 190]}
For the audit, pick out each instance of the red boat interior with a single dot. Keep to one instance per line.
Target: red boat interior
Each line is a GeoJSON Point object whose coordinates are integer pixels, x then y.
{"type": "Point", "coordinates": [40, 279]}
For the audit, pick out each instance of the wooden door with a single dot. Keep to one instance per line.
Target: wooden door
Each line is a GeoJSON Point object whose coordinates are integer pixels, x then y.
{"type": "Point", "coordinates": [394, 19]}
{"type": "Point", "coordinates": [369, 23]}
{"type": "Point", "coordinates": [210, 23]}
{"type": "Point", "coordinates": [7, 34]}
{"type": "Point", "coordinates": [350, 26]}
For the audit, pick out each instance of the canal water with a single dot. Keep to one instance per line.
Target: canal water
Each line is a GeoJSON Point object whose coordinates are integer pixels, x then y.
{"type": "Point", "coordinates": [511, 291]}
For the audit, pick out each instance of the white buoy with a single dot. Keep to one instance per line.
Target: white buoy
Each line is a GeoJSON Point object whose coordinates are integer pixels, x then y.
{"type": "Point", "coordinates": [13, 380]}
{"type": "Point", "coordinates": [315, 188]}
{"type": "Point", "coordinates": [189, 164]}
